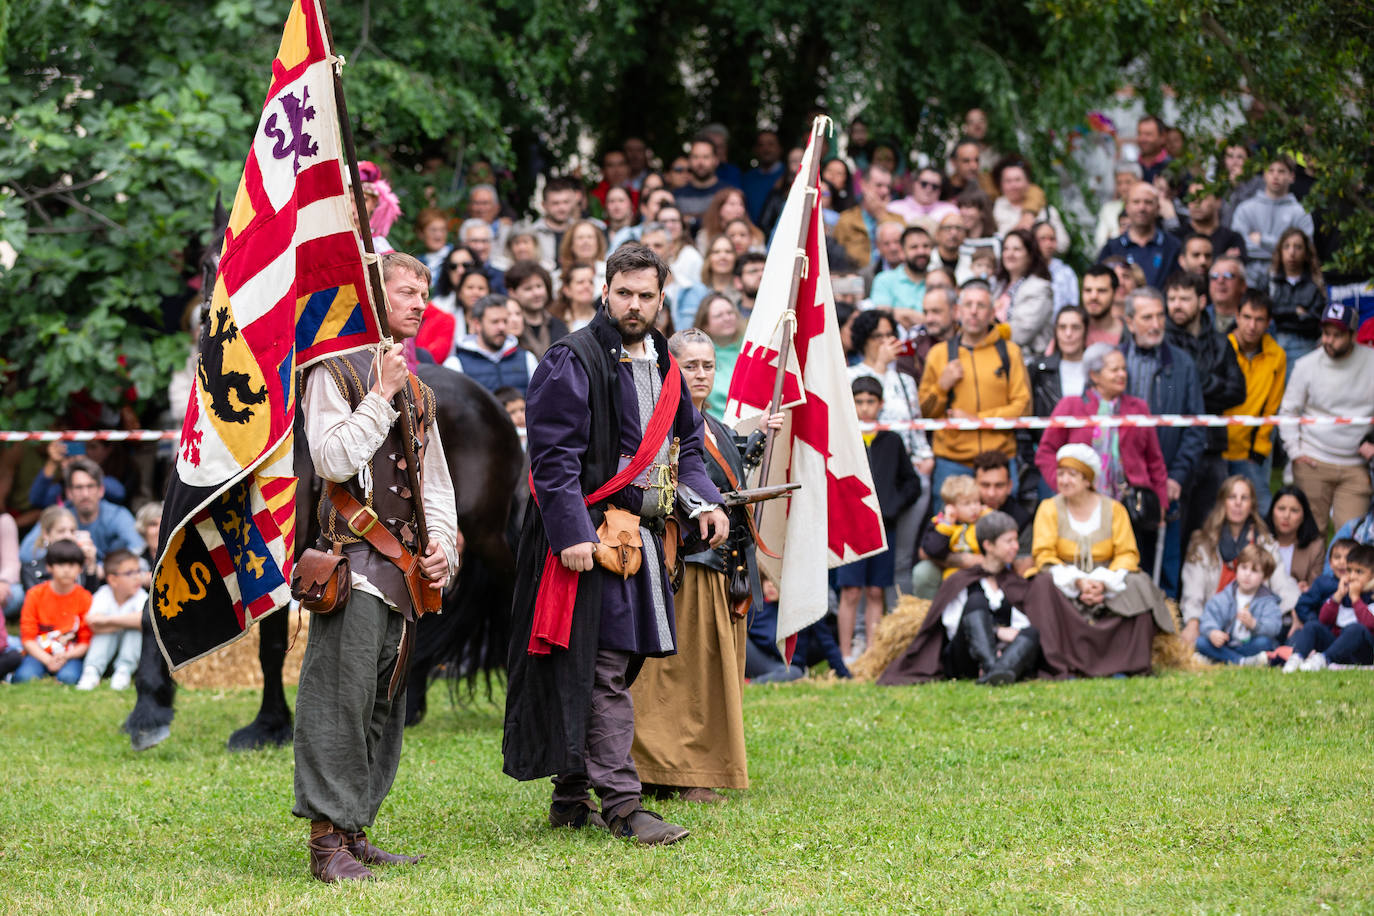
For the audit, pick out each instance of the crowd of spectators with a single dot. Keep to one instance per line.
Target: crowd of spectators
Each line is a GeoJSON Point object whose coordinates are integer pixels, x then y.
{"type": "Point", "coordinates": [958, 297]}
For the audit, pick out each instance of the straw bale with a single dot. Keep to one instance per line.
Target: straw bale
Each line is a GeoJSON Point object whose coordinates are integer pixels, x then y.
{"type": "Point", "coordinates": [238, 667]}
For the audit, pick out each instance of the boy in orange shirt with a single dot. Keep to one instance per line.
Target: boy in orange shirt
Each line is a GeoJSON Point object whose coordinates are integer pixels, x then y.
{"type": "Point", "coordinates": [52, 624]}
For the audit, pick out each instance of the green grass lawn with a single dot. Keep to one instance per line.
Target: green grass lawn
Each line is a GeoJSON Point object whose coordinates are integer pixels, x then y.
{"type": "Point", "coordinates": [1230, 791]}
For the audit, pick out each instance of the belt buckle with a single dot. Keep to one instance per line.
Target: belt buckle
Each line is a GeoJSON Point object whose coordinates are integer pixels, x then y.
{"type": "Point", "coordinates": [354, 528]}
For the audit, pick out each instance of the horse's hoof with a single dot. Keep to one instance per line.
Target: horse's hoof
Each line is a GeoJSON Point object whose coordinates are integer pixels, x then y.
{"type": "Point", "coordinates": [254, 737]}
{"type": "Point", "coordinates": [152, 737]}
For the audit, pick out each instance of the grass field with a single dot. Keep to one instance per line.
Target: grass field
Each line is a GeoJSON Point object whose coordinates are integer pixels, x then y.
{"type": "Point", "coordinates": [1229, 791]}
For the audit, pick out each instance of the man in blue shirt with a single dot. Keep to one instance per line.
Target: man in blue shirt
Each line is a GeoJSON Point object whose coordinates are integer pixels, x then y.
{"type": "Point", "coordinates": [1144, 243]}
{"type": "Point", "coordinates": [904, 287]}
{"type": "Point", "coordinates": [111, 527]}
{"type": "Point", "coordinates": [759, 180]}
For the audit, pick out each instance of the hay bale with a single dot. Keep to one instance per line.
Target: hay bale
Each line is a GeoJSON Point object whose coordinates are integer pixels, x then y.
{"type": "Point", "coordinates": [1168, 651]}
{"type": "Point", "coordinates": [895, 632]}
{"type": "Point", "coordinates": [237, 666]}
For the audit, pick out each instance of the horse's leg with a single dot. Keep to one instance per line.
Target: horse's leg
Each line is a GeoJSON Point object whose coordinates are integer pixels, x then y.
{"type": "Point", "coordinates": [150, 721]}
{"type": "Point", "coordinates": [273, 723]}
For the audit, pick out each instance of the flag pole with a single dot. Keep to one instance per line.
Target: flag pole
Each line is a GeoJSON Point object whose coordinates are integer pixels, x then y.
{"type": "Point", "coordinates": [789, 321]}
{"type": "Point", "coordinates": [378, 289]}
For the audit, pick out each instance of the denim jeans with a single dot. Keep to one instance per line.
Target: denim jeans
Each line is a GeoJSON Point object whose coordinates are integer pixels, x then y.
{"type": "Point", "coordinates": [31, 669]}
{"type": "Point", "coordinates": [1294, 347]}
{"type": "Point", "coordinates": [1258, 474]}
{"type": "Point", "coordinates": [1355, 646]}
{"type": "Point", "coordinates": [1231, 655]}
{"type": "Point", "coordinates": [1313, 637]}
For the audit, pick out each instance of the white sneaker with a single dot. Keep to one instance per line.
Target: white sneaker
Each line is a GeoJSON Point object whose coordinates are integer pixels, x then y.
{"type": "Point", "coordinates": [1294, 663]}
{"type": "Point", "coordinates": [1315, 662]}
{"type": "Point", "coordinates": [120, 680]}
{"type": "Point", "coordinates": [1258, 660]}
{"type": "Point", "coordinates": [90, 679]}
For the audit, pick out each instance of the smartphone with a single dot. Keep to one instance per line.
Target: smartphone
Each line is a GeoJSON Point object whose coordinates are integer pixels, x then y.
{"type": "Point", "coordinates": [907, 348]}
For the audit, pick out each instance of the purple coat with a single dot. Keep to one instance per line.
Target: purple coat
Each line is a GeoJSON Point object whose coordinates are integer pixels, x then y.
{"type": "Point", "coordinates": [1142, 461]}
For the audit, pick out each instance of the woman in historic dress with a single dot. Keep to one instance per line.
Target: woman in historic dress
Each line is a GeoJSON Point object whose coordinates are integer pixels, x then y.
{"type": "Point", "coordinates": [689, 714]}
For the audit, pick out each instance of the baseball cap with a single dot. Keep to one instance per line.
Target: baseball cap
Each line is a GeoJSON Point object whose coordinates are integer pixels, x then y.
{"type": "Point", "coordinates": [1341, 314]}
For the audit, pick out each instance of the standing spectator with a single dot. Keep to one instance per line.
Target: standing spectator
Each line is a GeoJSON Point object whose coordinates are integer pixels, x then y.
{"type": "Point", "coordinates": [1235, 158]}
{"type": "Point", "coordinates": [888, 239]}
{"type": "Point", "coordinates": [1054, 376]}
{"type": "Point", "coordinates": [976, 209]}
{"type": "Point", "coordinates": [1302, 549]}
{"type": "Point", "coordinates": [1166, 378]}
{"type": "Point", "coordinates": [1144, 243]}
{"type": "Point", "coordinates": [717, 276]}
{"type": "Point", "coordinates": [966, 169]}
{"type": "Point", "coordinates": [726, 170]}
{"type": "Point", "coordinates": [1197, 255]}
{"type": "Point", "coordinates": [1099, 300]}
{"type": "Point", "coordinates": [683, 258]}
{"type": "Point", "coordinates": [1108, 227]}
{"type": "Point", "coordinates": [636, 162]}
{"type": "Point", "coordinates": [1062, 277]}
{"type": "Point", "coordinates": [1204, 219]}
{"type": "Point", "coordinates": [583, 243]}
{"type": "Point", "coordinates": [620, 211]}
{"type": "Point", "coordinates": [615, 173]}
{"type": "Point", "coordinates": [702, 180]}
{"type": "Point", "coordinates": [116, 623]}
{"type": "Point", "coordinates": [923, 205]}
{"type": "Point", "coordinates": [577, 298]}
{"type": "Point", "coordinates": [52, 623]}
{"type": "Point", "coordinates": [1296, 288]}
{"type": "Point", "coordinates": [903, 288]}
{"type": "Point", "coordinates": [493, 358]}
{"type": "Point", "coordinates": [444, 297]}
{"type": "Point", "coordinates": [485, 204]}
{"type": "Point", "coordinates": [938, 307]}
{"type": "Point", "coordinates": [949, 240]}
{"type": "Point", "coordinates": [560, 208]}
{"type": "Point", "coordinates": [475, 235]}
{"type": "Point", "coordinates": [858, 225]}
{"type": "Point", "coordinates": [1262, 219]}
{"type": "Point", "coordinates": [531, 286]}
{"type": "Point", "coordinates": [976, 374]}
{"type": "Point", "coordinates": [745, 236]}
{"type": "Point", "coordinates": [1335, 381]}
{"type": "Point", "coordinates": [1223, 386]}
{"type": "Point", "coordinates": [759, 180]}
{"type": "Point", "coordinates": [1149, 139]}
{"type": "Point", "coordinates": [1016, 207]}
{"type": "Point", "coordinates": [1250, 449]}
{"type": "Point", "coordinates": [1024, 298]}
{"type": "Point", "coordinates": [432, 228]}
{"type": "Point", "coordinates": [110, 527]}
{"type": "Point", "coordinates": [748, 276]}
{"type": "Point", "coordinates": [725, 207]}
{"type": "Point", "coordinates": [1227, 287]}
{"type": "Point", "coordinates": [650, 202]}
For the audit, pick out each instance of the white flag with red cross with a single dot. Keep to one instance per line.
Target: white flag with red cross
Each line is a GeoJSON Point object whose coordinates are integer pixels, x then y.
{"type": "Point", "coordinates": [834, 518]}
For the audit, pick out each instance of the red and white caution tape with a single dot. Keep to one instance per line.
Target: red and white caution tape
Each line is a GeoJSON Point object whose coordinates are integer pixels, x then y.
{"type": "Point", "coordinates": [88, 435]}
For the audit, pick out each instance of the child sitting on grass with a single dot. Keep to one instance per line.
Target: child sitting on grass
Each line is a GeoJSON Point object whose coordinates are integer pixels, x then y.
{"type": "Point", "coordinates": [1242, 622]}
{"type": "Point", "coordinates": [1344, 630]}
{"type": "Point", "coordinates": [53, 621]}
{"type": "Point", "coordinates": [1322, 587]}
{"type": "Point", "coordinates": [951, 532]}
{"type": "Point", "coordinates": [116, 623]}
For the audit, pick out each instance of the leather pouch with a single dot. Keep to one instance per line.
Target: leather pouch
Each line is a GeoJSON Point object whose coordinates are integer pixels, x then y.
{"type": "Point", "coordinates": [321, 581]}
{"type": "Point", "coordinates": [620, 549]}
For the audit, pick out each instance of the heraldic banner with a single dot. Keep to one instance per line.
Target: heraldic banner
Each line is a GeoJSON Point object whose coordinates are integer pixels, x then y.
{"type": "Point", "coordinates": [292, 289]}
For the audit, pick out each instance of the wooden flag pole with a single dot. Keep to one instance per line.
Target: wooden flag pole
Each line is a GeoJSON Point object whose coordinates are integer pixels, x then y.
{"type": "Point", "coordinates": [789, 321]}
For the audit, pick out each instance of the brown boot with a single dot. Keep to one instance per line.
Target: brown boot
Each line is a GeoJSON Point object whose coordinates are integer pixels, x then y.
{"type": "Point", "coordinates": [702, 796]}
{"type": "Point", "coordinates": [368, 854]}
{"type": "Point", "coordinates": [575, 815]}
{"type": "Point", "coordinates": [330, 860]}
{"type": "Point", "coordinates": [645, 827]}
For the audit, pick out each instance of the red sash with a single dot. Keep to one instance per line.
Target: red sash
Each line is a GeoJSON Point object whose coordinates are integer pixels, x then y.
{"type": "Point", "coordinates": [553, 607]}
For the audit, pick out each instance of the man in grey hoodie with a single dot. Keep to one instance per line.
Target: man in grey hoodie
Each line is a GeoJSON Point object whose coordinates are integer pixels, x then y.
{"type": "Point", "coordinates": [1264, 217]}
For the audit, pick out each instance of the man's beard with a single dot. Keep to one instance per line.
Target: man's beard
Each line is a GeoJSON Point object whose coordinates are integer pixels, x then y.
{"type": "Point", "coordinates": [630, 337]}
{"type": "Point", "coordinates": [918, 264]}
{"type": "Point", "coordinates": [700, 177]}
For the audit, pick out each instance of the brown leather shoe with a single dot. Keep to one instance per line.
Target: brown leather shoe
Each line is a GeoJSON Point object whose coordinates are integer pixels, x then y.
{"type": "Point", "coordinates": [701, 796]}
{"type": "Point", "coordinates": [647, 828]}
{"type": "Point", "coordinates": [330, 860]}
{"type": "Point", "coordinates": [575, 815]}
{"type": "Point", "coordinates": [368, 854]}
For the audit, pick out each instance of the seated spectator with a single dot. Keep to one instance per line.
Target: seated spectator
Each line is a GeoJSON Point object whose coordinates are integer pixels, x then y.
{"type": "Point", "coordinates": [1302, 551]}
{"type": "Point", "coordinates": [512, 401]}
{"type": "Point", "coordinates": [1083, 540]}
{"type": "Point", "coordinates": [683, 259]}
{"type": "Point", "coordinates": [923, 205]}
{"type": "Point", "coordinates": [1099, 287]}
{"type": "Point", "coordinates": [110, 527]}
{"type": "Point", "coordinates": [717, 275]}
{"type": "Point", "coordinates": [477, 237]}
{"type": "Point", "coordinates": [57, 523]}
{"type": "Point", "coordinates": [52, 623]}
{"type": "Point", "coordinates": [950, 540]}
{"type": "Point", "coordinates": [1337, 380]}
{"type": "Point", "coordinates": [748, 275]}
{"type": "Point", "coordinates": [46, 489]}
{"type": "Point", "coordinates": [835, 172]}
{"type": "Point", "coordinates": [1310, 604]}
{"type": "Point", "coordinates": [1016, 207]}
{"type": "Point", "coordinates": [721, 320]}
{"type": "Point", "coordinates": [700, 181]}
{"type": "Point", "coordinates": [493, 358]}
{"type": "Point", "coordinates": [1343, 634]}
{"type": "Point", "coordinates": [115, 621]}
{"type": "Point", "coordinates": [759, 180]}
{"type": "Point", "coordinates": [1130, 465]}
{"type": "Point", "coordinates": [523, 245]}
{"type": "Point", "coordinates": [1242, 622]}
{"type": "Point", "coordinates": [432, 228]}
{"type": "Point", "coordinates": [1264, 217]}
{"type": "Point", "coordinates": [1298, 292]}
{"type": "Point", "coordinates": [444, 293]}
{"type": "Point", "coordinates": [815, 644]}
{"type": "Point", "coordinates": [439, 331]}
{"type": "Point", "coordinates": [11, 586]}
{"type": "Point", "coordinates": [857, 225]}
{"type": "Point", "coordinates": [727, 206]}
{"type": "Point", "coordinates": [578, 297]}
{"type": "Point", "coordinates": [1210, 563]}
{"type": "Point", "coordinates": [620, 211]}
{"type": "Point", "coordinates": [1144, 243]}
{"type": "Point", "coordinates": [149, 521]}
{"type": "Point", "coordinates": [583, 243]}
{"type": "Point", "coordinates": [1062, 278]}
{"type": "Point", "coordinates": [1023, 298]}
{"type": "Point", "coordinates": [976, 209]}
{"type": "Point", "coordinates": [532, 288]}
{"type": "Point", "coordinates": [903, 288]}
{"type": "Point", "coordinates": [897, 488]}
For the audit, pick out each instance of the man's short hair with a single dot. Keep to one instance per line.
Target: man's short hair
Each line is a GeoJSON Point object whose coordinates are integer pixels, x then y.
{"type": "Point", "coordinates": [1361, 555]}
{"type": "Point", "coordinates": [1256, 556]}
{"type": "Point", "coordinates": [632, 256]}
{"type": "Point", "coordinates": [1142, 292]}
{"type": "Point", "coordinates": [990, 460]}
{"type": "Point", "coordinates": [506, 394]}
{"type": "Point", "coordinates": [966, 141]}
{"type": "Point", "coordinates": [470, 224]}
{"type": "Point", "coordinates": [977, 283]}
{"type": "Point", "coordinates": [704, 137]}
{"type": "Point", "coordinates": [1284, 160]}
{"type": "Point", "coordinates": [1345, 544]}
{"type": "Point", "coordinates": [120, 555]}
{"type": "Point", "coordinates": [875, 168]}
{"type": "Point", "coordinates": [490, 188]}
{"type": "Point", "coordinates": [1182, 279]}
{"type": "Point", "coordinates": [867, 384]}
{"type": "Point", "coordinates": [553, 185]}
{"type": "Point", "coordinates": [749, 257]}
{"type": "Point", "coordinates": [951, 295]}
{"type": "Point", "coordinates": [914, 230]}
{"type": "Point", "coordinates": [86, 466]}
{"type": "Point", "coordinates": [1258, 300]}
{"type": "Point", "coordinates": [64, 551]}
{"type": "Point", "coordinates": [486, 304]}
{"type": "Point", "coordinates": [1125, 167]}
{"type": "Point", "coordinates": [991, 527]}
{"type": "Point", "coordinates": [521, 271]}
{"type": "Point", "coordinates": [1149, 118]}
{"type": "Point", "coordinates": [1194, 236]}
{"type": "Point", "coordinates": [399, 260]}
{"type": "Point", "coordinates": [957, 488]}
{"type": "Point", "coordinates": [1102, 270]}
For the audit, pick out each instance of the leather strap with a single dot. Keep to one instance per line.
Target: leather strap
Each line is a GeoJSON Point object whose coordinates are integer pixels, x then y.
{"type": "Point", "coordinates": [714, 451]}
{"type": "Point", "coordinates": [363, 522]}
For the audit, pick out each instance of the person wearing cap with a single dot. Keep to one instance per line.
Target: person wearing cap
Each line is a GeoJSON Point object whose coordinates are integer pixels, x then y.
{"type": "Point", "coordinates": [1083, 541]}
{"type": "Point", "coordinates": [1334, 381]}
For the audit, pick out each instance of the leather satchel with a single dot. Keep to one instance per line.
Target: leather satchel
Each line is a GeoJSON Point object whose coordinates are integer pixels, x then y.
{"type": "Point", "coordinates": [321, 581]}
{"type": "Point", "coordinates": [620, 549]}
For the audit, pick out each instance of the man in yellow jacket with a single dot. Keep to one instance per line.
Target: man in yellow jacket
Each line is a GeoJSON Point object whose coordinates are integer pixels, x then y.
{"type": "Point", "coordinates": [985, 378]}
{"type": "Point", "coordinates": [1250, 449]}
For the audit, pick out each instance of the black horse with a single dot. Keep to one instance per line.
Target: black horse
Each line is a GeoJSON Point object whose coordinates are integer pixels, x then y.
{"type": "Point", "coordinates": [469, 638]}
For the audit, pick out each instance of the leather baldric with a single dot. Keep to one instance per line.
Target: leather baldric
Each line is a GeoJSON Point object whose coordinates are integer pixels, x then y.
{"type": "Point", "coordinates": [715, 453]}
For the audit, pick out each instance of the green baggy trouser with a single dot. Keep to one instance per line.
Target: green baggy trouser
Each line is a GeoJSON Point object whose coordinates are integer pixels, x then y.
{"type": "Point", "coordinates": [348, 734]}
